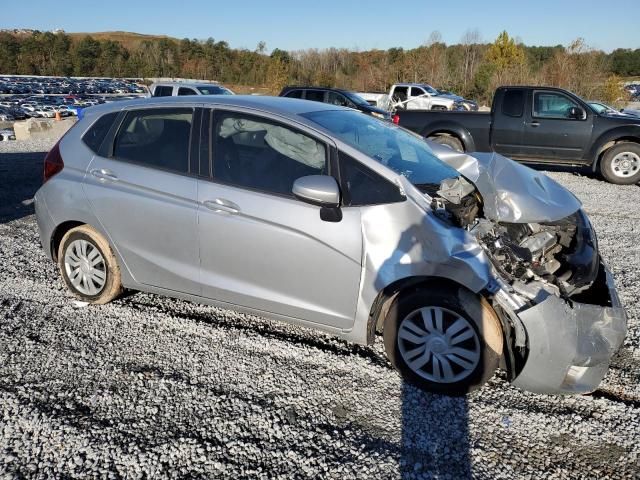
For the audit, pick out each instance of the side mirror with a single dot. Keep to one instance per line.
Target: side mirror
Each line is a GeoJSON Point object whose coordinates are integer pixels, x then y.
{"type": "Point", "coordinates": [320, 190]}
{"type": "Point", "coordinates": [577, 113]}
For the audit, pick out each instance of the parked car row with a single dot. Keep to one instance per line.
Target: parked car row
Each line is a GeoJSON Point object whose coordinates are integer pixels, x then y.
{"type": "Point", "coordinates": [66, 85]}
{"type": "Point", "coordinates": [21, 107]}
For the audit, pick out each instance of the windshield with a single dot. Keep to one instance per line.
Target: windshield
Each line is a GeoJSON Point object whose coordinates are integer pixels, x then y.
{"type": "Point", "coordinates": [214, 90]}
{"type": "Point", "coordinates": [357, 99]}
{"type": "Point", "coordinates": [431, 90]}
{"type": "Point", "coordinates": [402, 151]}
{"type": "Point", "coordinates": [600, 108]}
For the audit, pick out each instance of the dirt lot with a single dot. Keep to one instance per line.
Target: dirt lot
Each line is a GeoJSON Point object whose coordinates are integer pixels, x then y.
{"type": "Point", "coordinates": [155, 387]}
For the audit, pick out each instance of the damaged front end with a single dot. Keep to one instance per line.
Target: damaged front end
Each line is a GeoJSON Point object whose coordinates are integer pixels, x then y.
{"type": "Point", "coordinates": [562, 316]}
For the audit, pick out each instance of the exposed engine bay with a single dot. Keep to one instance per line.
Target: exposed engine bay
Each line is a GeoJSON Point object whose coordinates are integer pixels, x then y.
{"type": "Point", "coordinates": [537, 259]}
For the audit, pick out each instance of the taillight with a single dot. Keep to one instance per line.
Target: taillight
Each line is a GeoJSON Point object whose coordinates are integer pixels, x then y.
{"type": "Point", "coordinates": [53, 162]}
{"type": "Point", "coordinates": [396, 119]}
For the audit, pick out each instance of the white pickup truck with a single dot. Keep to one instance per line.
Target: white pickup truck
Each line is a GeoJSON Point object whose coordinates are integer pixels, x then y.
{"type": "Point", "coordinates": [417, 96]}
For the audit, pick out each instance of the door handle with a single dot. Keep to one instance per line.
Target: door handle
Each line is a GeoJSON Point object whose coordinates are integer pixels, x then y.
{"type": "Point", "coordinates": [220, 205]}
{"type": "Point", "coordinates": [104, 174]}
{"type": "Point", "coordinates": [535, 124]}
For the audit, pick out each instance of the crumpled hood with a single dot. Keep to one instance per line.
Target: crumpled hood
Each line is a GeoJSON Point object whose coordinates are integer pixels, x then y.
{"type": "Point", "coordinates": [511, 192]}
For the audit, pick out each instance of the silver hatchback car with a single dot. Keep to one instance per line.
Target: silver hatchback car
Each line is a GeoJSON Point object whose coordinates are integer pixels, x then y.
{"type": "Point", "coordinates": [324, 217]}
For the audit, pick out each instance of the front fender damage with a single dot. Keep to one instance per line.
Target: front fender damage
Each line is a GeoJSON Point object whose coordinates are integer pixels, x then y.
{"type": "Point", "coordinates": [562, 318]}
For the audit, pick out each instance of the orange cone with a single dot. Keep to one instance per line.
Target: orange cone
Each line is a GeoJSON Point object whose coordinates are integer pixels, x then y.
{"type": "Point", "coordinates": [58, 117]}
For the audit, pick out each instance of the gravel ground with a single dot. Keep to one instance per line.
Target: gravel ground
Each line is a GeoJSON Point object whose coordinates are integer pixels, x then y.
{"type": "Point", "coordinates": [153, 387]}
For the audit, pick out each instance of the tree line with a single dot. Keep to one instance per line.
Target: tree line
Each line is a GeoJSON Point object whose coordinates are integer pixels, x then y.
{"type": "Point", "coordinates": [472, 68]}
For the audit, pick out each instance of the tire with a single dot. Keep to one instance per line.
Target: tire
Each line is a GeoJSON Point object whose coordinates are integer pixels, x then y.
{"type": "Point", "coordinates": [621, 163]}
{"type": "Point", "coordinates": [449, 141]}
{"type": "Point", "coordinates": [84, 252]}
{"type": "Point", "coordinates": [472, 325]}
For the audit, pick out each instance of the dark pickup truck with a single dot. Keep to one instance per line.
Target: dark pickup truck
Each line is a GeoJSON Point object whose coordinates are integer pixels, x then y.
{"type": "Point", "coordinates": [539, 125]}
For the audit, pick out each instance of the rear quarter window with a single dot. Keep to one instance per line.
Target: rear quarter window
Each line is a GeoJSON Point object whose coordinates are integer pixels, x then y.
{"type": "Point", "coordinates": [364, 186]}
{"type": "Point", "coordinates": [94, 137]}
{"type": "Point", "coordinates": [163, 91]}
{"type": "Point", "coordinates": [513, 103]}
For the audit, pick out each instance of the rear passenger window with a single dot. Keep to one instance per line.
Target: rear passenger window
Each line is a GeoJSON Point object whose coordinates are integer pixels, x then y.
{"type": "Point", "coordinates": [95, 135]}
{"type": "Point", "coordinates": [294, 94]}
{"type": "Point", "coordinates": [256, 153]}
{"type": "Point", "coordinates": [157, 138]}
{"type": "Point", "coordinates": [315, 95]}
{"type": "Point", "coordinates": [163, 91]}
{"type": "Point", "coordinates": [364, 186]}
{"type": "Point", "coordinates": [513, 103]}
{"type": "Point", "coordinates": [186, 91]}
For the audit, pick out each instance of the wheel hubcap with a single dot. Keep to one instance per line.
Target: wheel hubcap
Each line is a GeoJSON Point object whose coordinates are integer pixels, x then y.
{"type": "Point", "coordinates": [625, 164]}
{"type": "Point", "coordinates": [85, 267]}
{"type": "Point", "coordinates": [439, 345]}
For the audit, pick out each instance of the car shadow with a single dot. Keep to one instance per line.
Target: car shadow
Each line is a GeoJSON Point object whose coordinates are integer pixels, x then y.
{"type": "Point", "coordinates": [20, 178]}
{"type": "Point", "coordinates": [435, 428]}
{"type": "Point", "coordinates": [435, 435]}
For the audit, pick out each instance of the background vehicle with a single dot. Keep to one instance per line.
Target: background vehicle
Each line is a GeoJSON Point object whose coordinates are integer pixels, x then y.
{"type": "Point", "coordinates": [6, 135]}
{"type": "Point", "coordinates": [417, 96]}
{"type": "Point", "coordinates": [319, 215]}
{"type": "Point", "coordinates": [335, 96]}
{"type": "Point", "coordinates": [539, 125]}
{"type": "Point", "coordinates": [173, 89]}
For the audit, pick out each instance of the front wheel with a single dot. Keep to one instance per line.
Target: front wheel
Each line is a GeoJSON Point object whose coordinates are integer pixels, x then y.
{"type": "Point", "coordinates": [443, 340]}
{"type": "Point", "coordinates": [621, 163]}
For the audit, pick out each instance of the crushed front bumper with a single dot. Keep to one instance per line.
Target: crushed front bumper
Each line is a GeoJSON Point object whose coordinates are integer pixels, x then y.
{"type": "Point", "coordinates": [571, 344]}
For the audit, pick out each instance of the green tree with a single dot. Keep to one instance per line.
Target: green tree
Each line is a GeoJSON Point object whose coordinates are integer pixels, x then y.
{"type": "Point", "coordinates": [505, 54]}
{"type": "Point", "coordinates": [85, 57]}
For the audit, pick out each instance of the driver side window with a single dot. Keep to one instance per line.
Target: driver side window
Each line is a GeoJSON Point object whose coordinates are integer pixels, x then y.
{"type": "Point", "coordinates": [552, 105]}
{"type": "Point", "coordinates": [259, 154]}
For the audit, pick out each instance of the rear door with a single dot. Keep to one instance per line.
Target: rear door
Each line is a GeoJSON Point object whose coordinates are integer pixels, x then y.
{"type": "Point", "coordinates": [142, 190]}
{"type": "Point", "coordinates": [549, 133]}
{"type": "Point", "coordinates": [259, 246]}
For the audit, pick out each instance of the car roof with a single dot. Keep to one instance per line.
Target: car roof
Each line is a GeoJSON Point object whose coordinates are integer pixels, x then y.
{"type": "Point", "coordinates": [413, 85]}
{"type": "Point", "coordinates": [187, 84]}
{"type": "Point", "coordinates": [277, 105]}
{"type": "Point", "coordinates": [311, 87]}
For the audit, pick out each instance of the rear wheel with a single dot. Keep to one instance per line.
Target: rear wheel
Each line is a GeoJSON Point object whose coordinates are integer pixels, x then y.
{"type": "Point", "coordinates": [88, 266]}
{"type": "Point", "coordinates": [443, 340]}
{"type": "Point", "coordinates": [621, 163]}
{"type": "Point", "coordinates": [449, 141]}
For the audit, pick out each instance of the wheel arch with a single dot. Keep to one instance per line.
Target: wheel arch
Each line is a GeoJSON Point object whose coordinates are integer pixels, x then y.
{"type": "Point", "coordinates": [385, 297]}
{"type": "Point", "coordinates": [611, 138]}
{"type": "Point", "coordinates": [453, 130]}
{"type": "Point", "coordinates": [58, 233]}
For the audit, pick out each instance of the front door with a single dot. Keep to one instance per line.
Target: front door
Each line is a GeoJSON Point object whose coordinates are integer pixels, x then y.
{"type": "Point", "coordinates": [550, 133]}
{"type": "Point", "coordinates": [259, 246]}
{"type": "Point", "coordinates": [142, 193]}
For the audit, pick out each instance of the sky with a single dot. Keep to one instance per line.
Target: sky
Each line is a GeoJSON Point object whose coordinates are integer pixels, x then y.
{"type": "Point", "coordinates": [361, 25]}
